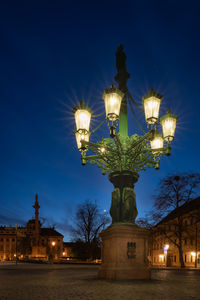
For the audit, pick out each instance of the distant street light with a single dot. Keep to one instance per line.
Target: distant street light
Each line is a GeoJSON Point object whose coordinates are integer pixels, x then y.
{"type": "Point", "coordinates": [166, 247]}
{"type": "Point", "coordinates": [194, 258]}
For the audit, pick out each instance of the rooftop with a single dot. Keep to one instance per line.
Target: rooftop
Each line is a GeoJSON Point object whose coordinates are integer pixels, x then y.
{"type": "Point", "coordinates": [183, 209]}
{"type": "Point", "coordinates": [49, 232]}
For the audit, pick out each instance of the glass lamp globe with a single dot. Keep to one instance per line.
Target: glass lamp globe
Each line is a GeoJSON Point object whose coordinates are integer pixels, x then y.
{"type": "Point", "coordinates": [82, 136]}
{"type": "Point", "coordinates": [151, 104]}
{"type": "Point", "coordinates": [82, 115]}
{"type": "Point", "coordinates": [168, 123]}
{"type": "Point", "coordinates": [157, 142]}
{"type": "Point", "coordinates": [112, 99]}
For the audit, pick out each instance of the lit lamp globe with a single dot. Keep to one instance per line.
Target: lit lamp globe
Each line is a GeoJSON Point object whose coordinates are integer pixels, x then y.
{"type": "Point", "coordinates": [168, 123]}
{"type": "Point", "coordinates": [81, 137]}
{"type": "Point", "coordinates": [151, 103]}
{"type": "Point", "coordinates": [157, 142]}
{"type": "Point", "coordinates": [82, 115]}
{"type": "Point", "coordinates": [112, 99]}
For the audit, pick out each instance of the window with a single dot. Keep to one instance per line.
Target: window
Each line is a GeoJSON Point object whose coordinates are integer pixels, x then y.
{"type": "Point", "coordinates": [192, 258]}
{"type": "Point", "coordinates": [174, 258]}
{"type": "Point", "coordinates": [185, 241]}
{"type": "Point", "coordinates": [154, 259]}
{"type": "Point", "coordinates": [161, 258]}
{"type": "Point", "coordinates": [185, 257]}
{"type": "Point", "coordinates": [191, 241]}
{"type": "Point", "coordinates": [186, 223]}
{"type": "Point", "coordinates": [191, 221]}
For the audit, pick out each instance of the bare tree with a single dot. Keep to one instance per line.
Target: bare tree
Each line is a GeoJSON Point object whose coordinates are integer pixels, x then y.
{"type": "Point", "coordinates": [175, 190]}
{"type": "Point", "coordinates": [88, 224]}
{"type": "Point", "coordinates": [167, 216]}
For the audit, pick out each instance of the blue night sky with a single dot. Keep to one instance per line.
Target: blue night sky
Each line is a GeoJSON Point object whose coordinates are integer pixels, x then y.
{"type": "Point", "coordinates": [52, 54]}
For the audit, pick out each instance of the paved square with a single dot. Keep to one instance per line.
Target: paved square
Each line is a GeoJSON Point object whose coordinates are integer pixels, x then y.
{"type": "Point", "coordinates": [31, 282]}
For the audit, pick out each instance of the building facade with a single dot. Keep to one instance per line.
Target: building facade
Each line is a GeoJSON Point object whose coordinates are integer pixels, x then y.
{"type": "Point", "coordinates": [32, 241]}
{"type": "Point", "coordinates": [178, 232]}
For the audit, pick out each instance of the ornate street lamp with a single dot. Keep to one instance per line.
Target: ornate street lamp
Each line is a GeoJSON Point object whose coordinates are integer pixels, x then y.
{"type": "Point", "coordinates": [112, 98]}
{"type": "Point", "coordinates": [151, 104]}
{"type": "Point", "coordinates": [82, 115]}
{"type": "Point", "coordinates": [122, 153]}
{"type": "Point", "coordinates": [168, 123]}
{"type": "Point", "coordinates": [123, 157]}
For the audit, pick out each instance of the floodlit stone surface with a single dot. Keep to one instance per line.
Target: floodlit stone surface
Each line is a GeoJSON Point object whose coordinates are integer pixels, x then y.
{"type": "Point", "coordinates": [124, 253]}
{"type": "Point", "coordinates": [80, 282]}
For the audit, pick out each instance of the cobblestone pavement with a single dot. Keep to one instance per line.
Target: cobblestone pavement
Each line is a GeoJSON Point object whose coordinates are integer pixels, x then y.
{"type": "Point", "coordinates": [68, 282]}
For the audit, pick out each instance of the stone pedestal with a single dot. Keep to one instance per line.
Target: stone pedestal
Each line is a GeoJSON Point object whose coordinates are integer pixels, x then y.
{"type": "Point", "coordinates": [124, 252]}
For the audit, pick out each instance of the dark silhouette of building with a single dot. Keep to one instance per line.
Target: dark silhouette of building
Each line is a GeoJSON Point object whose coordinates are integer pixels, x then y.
{"type": "Point", "coordinates": [32, 241]}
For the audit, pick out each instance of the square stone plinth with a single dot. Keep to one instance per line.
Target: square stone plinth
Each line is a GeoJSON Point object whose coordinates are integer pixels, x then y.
{"type": "Point", "coordinates": [124, 252]}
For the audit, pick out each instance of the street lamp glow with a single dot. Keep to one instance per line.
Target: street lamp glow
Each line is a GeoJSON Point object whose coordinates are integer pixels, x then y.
{"type": "Point", "coordinates": [102, 150]}
{"type": "Point", "coordinates": [157, 142]}
{"type": "Point", "coordinates": [82, 118]}
{"type": "Point", "coordinates": [53, 243]}
{"type": "Point", "coordinates": [151, 104]}
{"type": "Point", "coordinates": [81, 136]}
{"type": "Point", "coordinates": [112, 99]}
{"type": "Point", "coordinates": [166, 247]}
{"type": "Point", "coordinates": [63, 253]}
{"type": "Point", "coordinates": [193, 254]}
{"type": "Point", "coordinates": [168, 123]}
{"type": "Point", "coordinates": [82, 115]}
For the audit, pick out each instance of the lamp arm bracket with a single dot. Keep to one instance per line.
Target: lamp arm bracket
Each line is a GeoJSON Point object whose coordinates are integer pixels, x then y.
{"type": "Point", "coordinates": [98, 115]}
{"type": "Point", "coordinates": [147, 136]}
{"type": "Point", "coordinates": [98, 126]}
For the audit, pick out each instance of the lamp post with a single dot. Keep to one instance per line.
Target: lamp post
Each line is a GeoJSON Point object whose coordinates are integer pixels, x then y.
{"type": "Point", "coordinates": [120, 156]}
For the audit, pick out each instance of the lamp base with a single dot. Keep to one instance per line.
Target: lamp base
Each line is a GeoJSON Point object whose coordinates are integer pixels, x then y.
{"type": "Point", "coordinates": [124, 252]}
